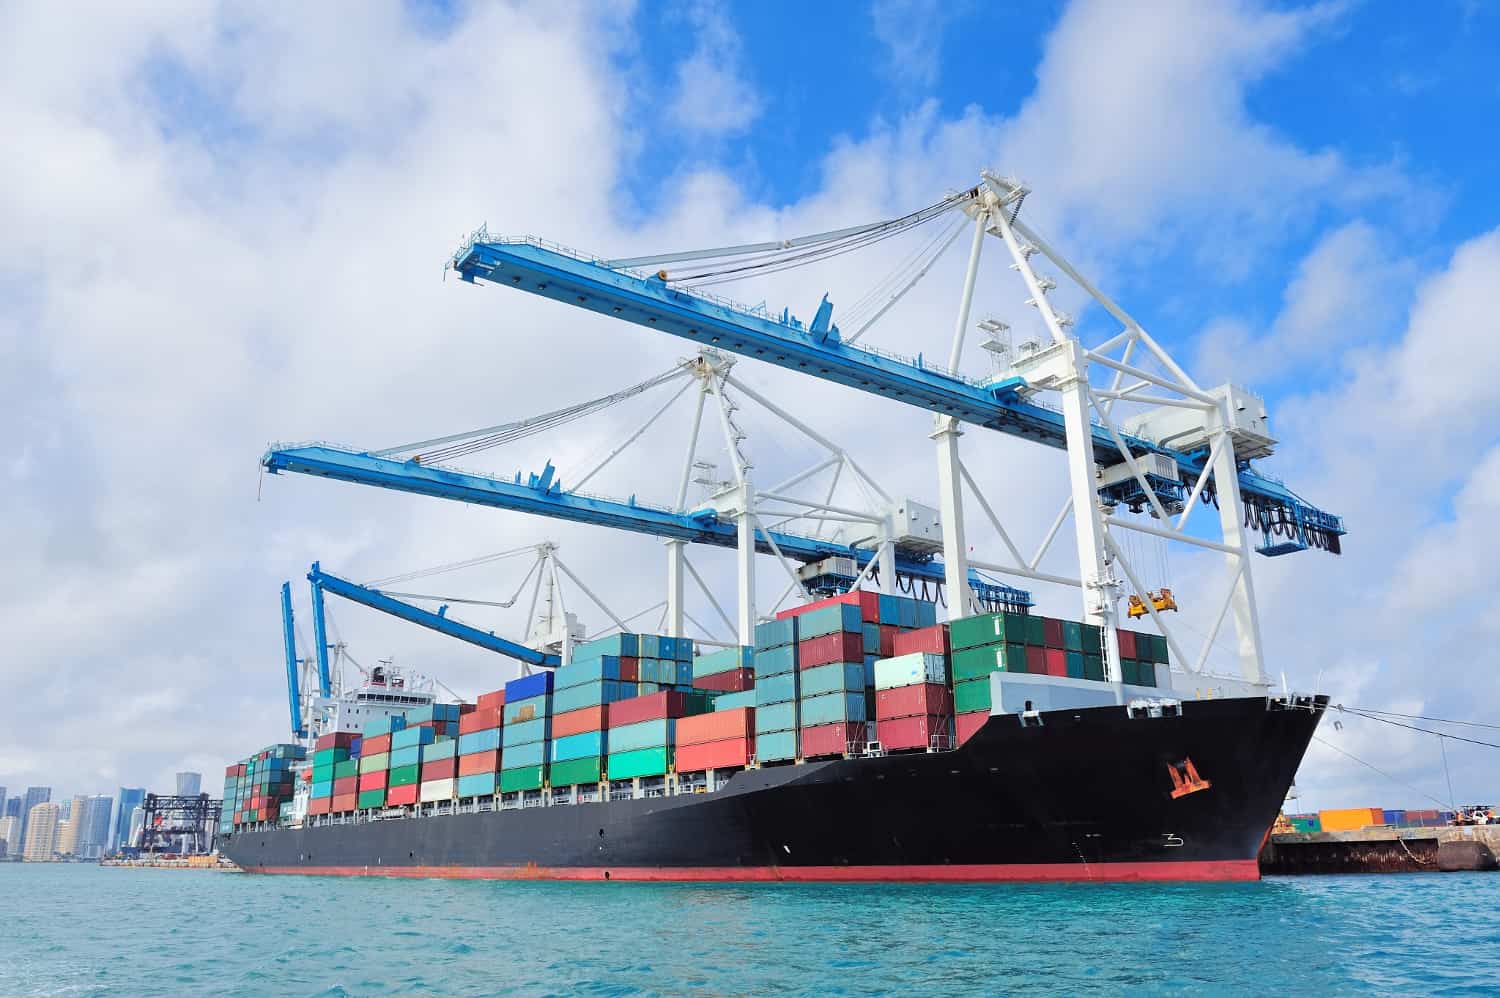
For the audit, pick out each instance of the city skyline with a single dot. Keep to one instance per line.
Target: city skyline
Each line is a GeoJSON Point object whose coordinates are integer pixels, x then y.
{"type": "Point", "coordinates": [86, 825]}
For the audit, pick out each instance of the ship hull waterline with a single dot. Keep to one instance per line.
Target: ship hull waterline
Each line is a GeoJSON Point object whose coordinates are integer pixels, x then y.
{"type": "Point", "coordinates": [1078, 795]}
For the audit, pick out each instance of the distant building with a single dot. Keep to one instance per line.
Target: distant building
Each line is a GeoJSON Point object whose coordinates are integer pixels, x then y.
{"type": "Point", "coordinates": [69, 827]}
{"type": "Point", "coordinates": [136, 827]}
{"type": "Point", "coordinates": [13, 808]}
{"type": "Point", "coordinates": [189, 784]}
{"type": "Point", "coordinates": [34, 796]}
{"type": "Point", "coordinates": [129, 799]}
{"type": "Point", "coordinates": [10, 837]}
{"type": "Point", "coordinates": [41, 833]}
{"type": "Point", "coordinates": [3, 800]}
{"type": "Point", "coordinates": [94, 832]}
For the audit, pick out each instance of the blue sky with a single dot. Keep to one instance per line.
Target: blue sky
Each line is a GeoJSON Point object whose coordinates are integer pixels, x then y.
{"type": "Point", "coordinates": [228, 226]}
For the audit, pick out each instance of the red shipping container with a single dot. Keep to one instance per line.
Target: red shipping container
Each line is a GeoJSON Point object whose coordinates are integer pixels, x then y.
{"type": "Point", "coordinates": [231, 771]}
{"type": "Point", "coordinates": [1057, 662]}
{"type": "Point", "coordinates": [726, 754]}
{"type": "Point", "coordinates": [929, 640]}
{"type": "Point", "coordinates": [734, 681]}
{"type": "Point", "coordinates": [867, 601]}
{"type": "Point", "coordinates": [346, 785]}
{"type": "Point", "coordinates": [583, 719]}
{"type": "Point", "coordinates": [716, 726]}
{"type": "Point", "coordinates": [345, 802]}
{"type": "Point", "coordinates": [320, 805]}
{"type": "Point", "coordinates": [1052, 633]}
{"type": "Point", "coordinates": [406, 794]}
{"type": "Point", "coordinates": [373, 781]}
{"type": "Point", "coordinates": [476, 763]}
{"type": "Point", "coordinates": [336, 739]}
{"type": "Point", "coordinates": [667, 703]}
{"type": "Point", "coordinates": [969, 723]}
{"type": "Point", "coordinates": [1036, 661]}
{"type": "Point", "coordinates": [831, 739]}
{"type": "Point", "coordinates": [909, 701]}
{"type": "Point", "coordinates": [910, 732]}
{"type": "Point", "coordinates": [375, 745]}
{"type": "Point", "coordinates": [491, 701]}
{"type": "Point", "coordinates": [466, 708]}
{"type": "Point", "coordinates": [1127, 644]}
{"type": "Point", "coordinates": [440, 769]}
{"type": "Point", "coordinates": [830, 648]}
{"type": "Point", "coordinates": [480, 720]}
{"type": "Point", "coordinates": [630, 669]}
{"type": "Point", "coordinates": [888, 634]}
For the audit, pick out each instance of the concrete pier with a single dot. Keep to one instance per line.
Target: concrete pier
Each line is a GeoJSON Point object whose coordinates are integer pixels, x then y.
{"type": "Point", "coordinates": [1383, 850]}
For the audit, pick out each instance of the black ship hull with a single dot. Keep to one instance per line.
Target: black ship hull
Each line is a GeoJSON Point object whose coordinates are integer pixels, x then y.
{"type": "Point", "coordinates": [1086, 794]}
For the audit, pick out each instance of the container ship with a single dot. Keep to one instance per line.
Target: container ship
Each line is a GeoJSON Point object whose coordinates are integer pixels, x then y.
{"type": "Point", "coordinates": [856, 740]}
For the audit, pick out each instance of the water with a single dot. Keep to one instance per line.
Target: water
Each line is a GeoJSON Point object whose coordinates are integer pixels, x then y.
{"type": "Point", "coordinates": [82, 930]}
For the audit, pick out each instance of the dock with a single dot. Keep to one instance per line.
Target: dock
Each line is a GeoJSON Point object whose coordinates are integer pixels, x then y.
{"type": "Point", "coordinates": [1383, 850]}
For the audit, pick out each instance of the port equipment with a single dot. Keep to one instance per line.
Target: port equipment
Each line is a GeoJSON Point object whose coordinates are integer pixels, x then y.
{"type": "Point", "coordinates": [1184, 445]}
{"type": "Point", "coordinates": [170, 819]}
{"type": "Point", "coordinates": [289, 642]}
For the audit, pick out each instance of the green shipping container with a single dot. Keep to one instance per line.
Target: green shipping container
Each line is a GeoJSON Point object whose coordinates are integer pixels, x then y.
{"type": "Point", "coordinates": [349, 767]}
{"type": "Point", "coordinates": [524, 778]}
{"type": "Point", "coordinates": [642, 762]}
{"type": "Point", "coordinates": [371, 798]}
{"type": "Point", "coordinates": [575, 771]}
{"type": "Point", "coordinates": [404, 776]}
{"type": "Point", "coordinates": [329, 756]}
{"type": "Point", "coordinates": [1075, 664]}
{"type": "Point", "coordinates": [323, 774]}
{"type": "Point", "coordinates": [1072, 635]}
{"type": "Point", "coordinates": [1093, 640]}
{"type": "Point", "coordinates": [989, 629]}
{"type": "Point", "coordinates": [375, 763]}
{"type": "Point", "coordinates": [1036, 630]}
{"type": "Point", "coordinates": [1093, 667]}
{"type": "Point", "coordinates": [972, 695]}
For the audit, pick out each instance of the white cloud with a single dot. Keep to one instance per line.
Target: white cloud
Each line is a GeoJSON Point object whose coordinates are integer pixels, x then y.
{"type": "Point", "coordinates": [712, 94]}
{"type": "Point", "coordinates": [912, 31]}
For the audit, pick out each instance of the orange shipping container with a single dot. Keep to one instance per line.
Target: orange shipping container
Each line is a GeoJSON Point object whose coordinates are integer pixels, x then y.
{"type": "Point", "coordinates": [491, 701]}
{"type": "Point", "coordinates": [576, 722]}
{"type": "Point", "coordinates": [718, 726]}
{"type": "Point", "coordinates": [479, 720]}
{"type": "Point", "coordinates": [476, 763]}
{"type": "Point", "coordinates": [1347, 819]}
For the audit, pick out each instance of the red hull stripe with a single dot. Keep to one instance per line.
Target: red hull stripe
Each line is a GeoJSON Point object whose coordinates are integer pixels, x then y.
{"type": "Point", "coordinates": [1217, 870]}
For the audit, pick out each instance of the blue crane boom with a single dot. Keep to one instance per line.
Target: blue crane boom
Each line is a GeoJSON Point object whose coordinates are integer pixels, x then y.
{"type": "Point", "coordinates": [289, 641]}
{"type": "Point", "coordinates": [439, 621]}
{"type": "Point", "coordinates": [543, 495]}
{"type": "Point", "coordinates": [817, 350]}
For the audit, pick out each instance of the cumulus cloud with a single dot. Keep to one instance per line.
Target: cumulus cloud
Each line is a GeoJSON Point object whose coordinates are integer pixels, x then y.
{"type": "Point", "coordinates": [712, 95]}
{"type": "Point", "coordinates": [912, 31]}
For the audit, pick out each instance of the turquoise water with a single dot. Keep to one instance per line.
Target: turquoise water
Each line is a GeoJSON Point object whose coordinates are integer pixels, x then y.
{"type": "Point", "coordinates": [79, 930]}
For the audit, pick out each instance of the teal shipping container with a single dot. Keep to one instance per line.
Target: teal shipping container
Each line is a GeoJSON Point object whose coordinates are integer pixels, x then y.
{"type": "Point", "coordinates": [487, 740]}
{"type": "Point", "coordinates": [724, 660]}
{"type": "Point", "coordinates": [832, 708]}
{"type": "Point", "coordinates": [377, 726]}
{"type": "Point", "coordinates": [890, 609]}
{"type": "Point", "coordinates": [841, 617]}
{"type": "Point", "coordinates": [410, 737]}
{"type": "Point", "coordinates": [734, 701]}
{"type": "Point", "coordinates": [872, 639]}
{"type": "Point", "coordinates": [409, 756]}
{"type": "Point", "coordinates": [775, 746]}
{"type": "Point", "coordinates": [684, 650]}
{"type": "Point", "coordinates": [444, 748]}
{"type": "Point", "coordinates": [840, 677]}
{"type": "Point", "coordinates": [648, 645]}
{"type": "Point", "coordinates": [619, 645]}
{"type": "Point", "coordinates": [530, 708]}
{"type": "Point", "coordinates": [323, 789]}
{"type": "Point", "coordinates": [528, 754]}
{"type": "Point", "coordinates": [906, 614]}
{"type": "Point", "coordinates": [776, 661]}
{"type": "Point", "coordinates": [526, 732]}
{"type": "Point", "coordinates": [578, 673]}
{"type": "Point", "coordinates": [642, 735]}
{"type": "Point", "coordinates": [777, 717]}
{"type": "Point", "coordinates": [776, 689]}
{"type": "Point", "coordinates": [478, 785]}
{"type": "Point", "coordinates": [776, 634]}
{"type": "Point", "coordinates": [584, 745]}
{"type": "Point", "coordinates": [590, 695]}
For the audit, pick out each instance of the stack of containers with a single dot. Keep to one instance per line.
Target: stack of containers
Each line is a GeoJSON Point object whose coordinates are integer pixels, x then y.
{"type": "Point", "coordinates": [642, 731]}
{"type": "Point", "coordinates": [528, 728]}
{"type": "Point", "coordinates": [442, 718]}
{"type": "Point", "coordinates": [404, 784]}
{"type": "Point", "coordinates": [479, 747]}
{"type": "Point", "coordinates": [664, 662]}
{"type": "Point", "coordinates": [375, 760]}
{"type": "Point", "coordinates": [264, 784]}
{"type": "Point", "coordinates": [1140, 653]}
{"type": "Point", "coordinates": [346, 779]}
{"type": "Point", "coordinates": [582, 692]}
{"type": "Point", "coordinates": [729, 670]}
{"type": "Point", "coordinates": [913, 701]}
{"type": "Point", "coordinates": [776, 690]}
{"type": "Point", "coordinates": [328, 751]}
{"type": "Point", "coordinates": [831, 706]}
{"type": "Point", "coordinates": [723, 739]}
{"type": "Point", "coordinates": [233, 776]}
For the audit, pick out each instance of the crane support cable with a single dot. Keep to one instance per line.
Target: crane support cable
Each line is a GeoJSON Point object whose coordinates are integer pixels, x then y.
{"type": "Point", "coordinates": [452, 566]}
{"type": "Point", "coordinates": [1433, 720]}
{"type": "Point", "coordinates": [1412, 727]}
{"type": "Point", "coordinates": [1370, 765]}
{"type": "Point", "coordinates": [458, 445]}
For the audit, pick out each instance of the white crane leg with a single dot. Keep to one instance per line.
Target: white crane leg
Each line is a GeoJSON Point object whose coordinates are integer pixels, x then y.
{"type": "Point", "coordinates": [746, 555]}
{"type": "Point", "coordinates": [1242, 602]}
{"type": "Point", "coordinates": [955, 548]}
{"type": "Point", "coordinates": [675, 555]}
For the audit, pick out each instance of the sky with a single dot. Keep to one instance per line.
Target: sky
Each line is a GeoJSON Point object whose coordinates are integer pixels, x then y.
{"type": "Point", "coordinates": [227, 226]}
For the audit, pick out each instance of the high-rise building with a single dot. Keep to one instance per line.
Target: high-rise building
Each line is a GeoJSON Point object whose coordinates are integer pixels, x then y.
{"type": "Point", "coordinates": [68, 828]}
{"type": "Point", "coordinates": [10, 836]}
{"type": "Point", "coordinates": [3, 800]}
{"type": "Point", "coordinates": [93, 834]}
{"type": "Point", "coordinates": [130, 798]}
{"type": "Point", "coordinates": [13, 808]}
{"type": "Point", "coordinates": [136, 827]}
{"type": "Point", "coordinates": [34, 796]}
{"type": "Point", "coordinates": [189, 784]}
{"type": "Point", "coordinates": [41, 833]}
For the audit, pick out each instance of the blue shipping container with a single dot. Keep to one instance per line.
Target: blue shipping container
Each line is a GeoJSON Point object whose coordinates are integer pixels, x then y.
{"type": "Point", "coordinates": [833, 708]}
{"type": "Point", "coordinates": [527, 687]}
{"type": "Point", "coordinates": [684, 649]}
{"type": "Point", "coordinates": [776, 689]}
{"type": "Point", "coordinates": [840, 677]}
{"type": "Point", "coordinates": [724, 660]}
{"type": "Point", "coordinates": [733, 701]}
{"type": "Point", "coordinates": [907, 613]}
{"type": "Point", "coordinates": [591, 670]}
{"type": "Point", "coordinates": [324, 789]}
{"type": "Point", "coordinates": [530, 708]}
{"type": "Point", "coordinates": [446, 748]}
{"type": "Point", "coordinates": [872, 639]}
{"type": "Point", "coordinates": [525, 732]}
{"type": "Point", "coordinates": [775, 634]}
{"type": "Point", "coordinates": [410, 737]}
{"type": "Point", "coordinates": [478, 785]}
{"type": "Point", "coordinates": [584, 745]}
{"type": "Point", "coordinates": [642, 735]}
{"type": "Point", "coordinates": [479, 741]}
{"type": "Point", "coordinates": [409, 756]}
{"type": "Point", "coordinates": [890, 609]}
{"type": "Point", "coordinates": [591, 695]}
{"type": "Point", "coordinates": [926, 613]}
{"type": "Point", "coordinates": [777, 717]}
{"type": "Point", "coordinates": [841, 617]}
{"type": "Point", "coordinates": [774, 746]}
{"type": "Point", "coordinates": [619, 645]}
{"type": "Point", "coordinates": [529, 754]}
{"type": "Point", "coordinates": [776, 661]}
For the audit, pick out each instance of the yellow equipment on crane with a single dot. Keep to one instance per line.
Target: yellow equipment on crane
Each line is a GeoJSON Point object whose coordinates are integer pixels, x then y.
{"type": "Point", "coordinates": [1160, 601]}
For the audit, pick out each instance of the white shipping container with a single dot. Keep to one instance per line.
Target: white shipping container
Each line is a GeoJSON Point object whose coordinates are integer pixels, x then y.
{"type": "Point", "coordinates": [909, 670]}
{"type": "Point", "coordinates": [434, 790]}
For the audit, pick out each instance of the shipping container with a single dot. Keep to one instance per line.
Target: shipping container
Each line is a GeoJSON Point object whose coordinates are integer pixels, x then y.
{"type": "Point", "coordinates": [1056, 662]}
{"type": "Point", "coordinates": [642, 735]}
{"type": "Point", "coordinates": [378, 726]}
{"type": "Point", "coordinates": [866, 602]}
{"type": "Point", "coordinates": [1350, 818]}
{"type": "Point", "coordinates": [726, 753]}
{"type": "Point", "coordinates": [477, 785]}
{"type": "Point", "coordinates": [669, 703]}
{"type": "Point", "coordinates": [318, 805]}
{"type": "Point", "coordinates": [641, 762]}
{"type": "Point", "coordinates": [591, 695]}
{"type": "Point", "coordinates": [401, 776]}
{"type": "Point", "coordinates": [490, 701]}
{"type": "Point", "coordinates": [928, 640]}
{"type": "Point", "coordinates": [405, 756]}
{"type": "Point", "coordinates": [334, 739]}
{"type": "Point", "coordinates": [776, 689]}
{"type": "Point", "coordinates": [775, 661]}
{"type": "Point", "coordinates": [839, 647]}
{"type": "Point", "coordinates": [411, 737]}
{"type": "Point", "coordinates": [723, 660]}
{"type": "Point", "coordinates": [526, 754]}
{"type": "Point", "coordinates": [374, 763]}
{"type": "Point", "coordinates": [776, 717]}
{"type": "Point", "coordinates": [375, 745]}
{"type": "Point", "coordinates": [372, 798]}
{"type": "Point", "coordinates": [736, 681]}
{"type": "Point", "coordinates": [525, 732]}
{"type": "Point", "coordinates": [717, 726]}
{"type": "Point", "coordinates": [973, 695]}
{"type": "Point", "coordinates": [522, 778]}
{"type": "Point", "coordinates": [345, 785]}
{"type": "Point", "coordinates": [582, 719]}
{"type": "Point", "coordinates": [968, 724]}
{"type": "Point", "coordinates": [528, 709]}
{"type": "Point", "coordinates": [439, 790]}
{"type": "Point", "coordinates": [908, 670]}
{"type": "Point", "coordinates": [775, 746]}
{"type": "Point", "coordinates": [908, 701]}
{"type": "Point", "coordinates": [920, 732]}
{"type": "Point", "coordinates": [1127, 643]}
{"type": "Point", "coordinates": [619, 645]}
{"type": "Point", "coordinates": [487, 740]}
{"type": "Point", "coordinates": [831, 708]}
{"type": "Point", "coordinates": [840, 677]}
{"type": "Point", "coordinates": [594, 670]}
{"type": "Point", "coordinates": [1093, 667]}
{"type": "Point", "coordinates": [1036, 660]}
{"type": "Point", "coordinates": [833, 619]}
{"type": "Point", "coordinates": [585, 744]}
{"type": "Point", "coordinates": [480, 719]}
{"type": "Point", "coordinates": [322, 789]}
{"type": "Point", "coordinates": [988, 629]}
{"type": "Point", "coordinates": [572, 772]}
{"type": "Point", "coordinates": [534, 686]}
{"type": "Point", "coordinates": [734, 701]}
{"type": "Point", "coordinates": [439, 769]}
{"type": "Point", "coordinates": [775, 634]}
{"type": "Point", "coordinates": [479, 762]}
{"type": "Point", "coordinates": [403, 794]}
{"type": "Point", "coordinates": [823, 740]}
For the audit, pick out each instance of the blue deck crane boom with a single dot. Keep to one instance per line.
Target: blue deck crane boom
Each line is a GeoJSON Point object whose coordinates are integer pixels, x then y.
{"type": "Point", "coordinates": [289, 642]}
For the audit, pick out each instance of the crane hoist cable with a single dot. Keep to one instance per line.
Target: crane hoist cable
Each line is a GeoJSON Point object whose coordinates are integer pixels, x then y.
{"type": "Point", "coordinates": [452, 566]}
